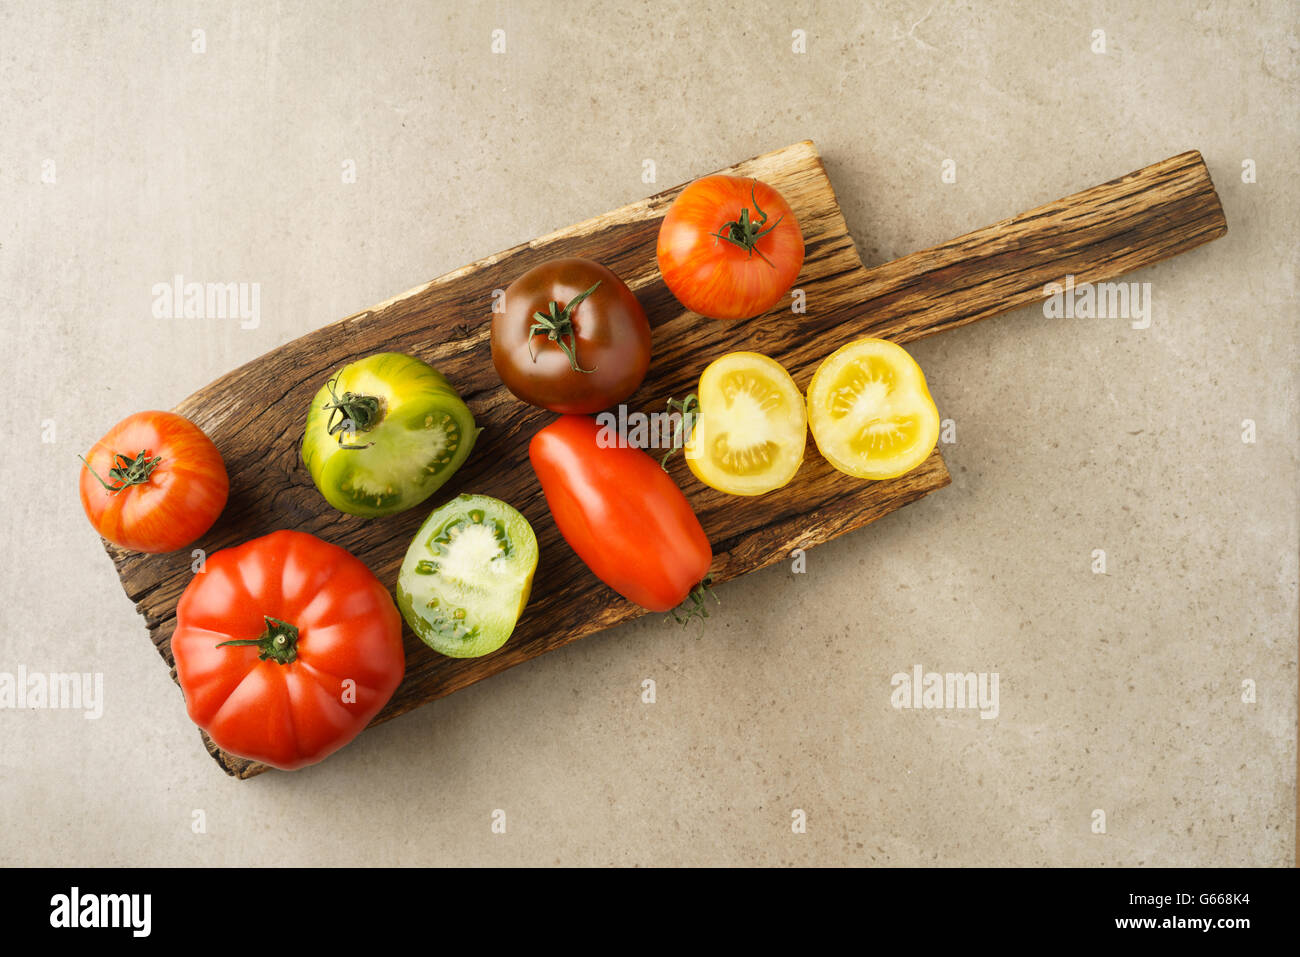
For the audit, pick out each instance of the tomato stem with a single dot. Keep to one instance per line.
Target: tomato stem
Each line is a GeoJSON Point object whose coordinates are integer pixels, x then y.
{"type": "Point", "coordinates": [127, 472]}
{"type": "Point", "coordinates": [689, 408]}
{"type": "Point", "coordinates": [696, 607]}
{"type": "Point", "coordinates": [279, 643]}
{"type": "Point", "coordinates": [557, 324]}
{"type": "Point", "coordinates": [357, 412]}
{"type": "Point", "coordinates": [746, 232]}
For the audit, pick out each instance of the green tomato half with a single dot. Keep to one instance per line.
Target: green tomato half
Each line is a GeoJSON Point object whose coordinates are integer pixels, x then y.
{"type": "Point", "coordinates": [384, 434]}
{"type": "Point", "coordinates": [467, 576]}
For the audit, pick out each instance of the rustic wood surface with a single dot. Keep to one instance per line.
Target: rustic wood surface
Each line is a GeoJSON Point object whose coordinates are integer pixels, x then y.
{"type": "Point", "coordinates": [256, 413]}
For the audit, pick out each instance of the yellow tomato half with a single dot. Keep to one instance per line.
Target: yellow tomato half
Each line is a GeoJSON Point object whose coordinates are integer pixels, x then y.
{"type": "Point", "coordinates": [752, 426]}
{"type": "Point", "coordinates": [871, 412]}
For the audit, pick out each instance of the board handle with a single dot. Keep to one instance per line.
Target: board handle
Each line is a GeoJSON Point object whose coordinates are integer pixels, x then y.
{"type": "Point", "coordinates": [1095, 235]}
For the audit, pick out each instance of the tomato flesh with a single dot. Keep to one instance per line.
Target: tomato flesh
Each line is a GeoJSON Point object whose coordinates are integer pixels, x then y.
{"type": "Point", "coordinates": [871, 412]}
{"type": "Point", "coordinates": [752, 426]}
{"type": "Point", "coordinates": [467, 576]}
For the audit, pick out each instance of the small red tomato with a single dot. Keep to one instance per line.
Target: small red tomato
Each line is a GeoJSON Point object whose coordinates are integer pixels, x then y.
{"type": "Point", "coordinates": [154, 483]}
{"type": "Point", "coordinates": [622, 513]}
{"type": "Point", "coordinates": [286, 647]}
{"type": "Point", "coordinates": [572, 338]}
{"type": "Point", "coordinates": [729, 248]}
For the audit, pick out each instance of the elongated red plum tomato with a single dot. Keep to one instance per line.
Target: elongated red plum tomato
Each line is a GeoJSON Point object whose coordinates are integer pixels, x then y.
{"type": "Point", "coordinates": [621, 512]}
{"type": "Point", "coordinates": [286, 647]}
{"type": "Point", "coordinates": [729, 248]}
{"type": "Point", "coordinates": [572, 337]}
{"type": "Point", "coordinates": [154, 483]}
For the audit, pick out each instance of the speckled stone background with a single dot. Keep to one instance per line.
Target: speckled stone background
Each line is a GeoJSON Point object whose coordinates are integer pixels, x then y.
{"type": "Point", "coordinates": [1120, 692]}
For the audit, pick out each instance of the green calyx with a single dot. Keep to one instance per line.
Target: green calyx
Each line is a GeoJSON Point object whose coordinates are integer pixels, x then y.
{"type": "Point", "coordinates": [557, 325]}
{"type": "Point", "coordinates": [689, 408]}
{"type": "Point", "coordinates": [745, 231]}
{"type": "Point", "coordinates": [126, 472]}
{"type": "Point", "coordinates": [355, 413]}
{"type": "Point", "coordinates": [279, 643]}
{"type": "Point", "coordinates": [693, 606]}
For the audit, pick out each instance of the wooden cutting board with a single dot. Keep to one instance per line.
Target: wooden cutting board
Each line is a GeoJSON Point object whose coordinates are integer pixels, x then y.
{"type": "Point", "coordinates": [256, 413]}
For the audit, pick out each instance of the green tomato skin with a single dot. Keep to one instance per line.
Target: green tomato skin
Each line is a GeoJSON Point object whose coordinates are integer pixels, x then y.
{"type": "Point", "coordinates": [424, 434]}
{"type": "Point", "coordinates": [467, 576]}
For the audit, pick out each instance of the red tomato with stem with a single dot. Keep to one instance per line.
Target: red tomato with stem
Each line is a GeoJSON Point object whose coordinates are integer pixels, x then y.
{"type": "Point", "coordinates": [154, 483]}
{"type": "Point", "coordinates": [729, 248]}
{"type": "Point", "coordinates": [622, 513]}
{"type": "Point", "coordinates": [286, 647]}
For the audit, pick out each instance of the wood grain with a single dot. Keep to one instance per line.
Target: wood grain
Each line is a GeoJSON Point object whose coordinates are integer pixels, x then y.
{"type": "Point", "coordinates": [255, 414]}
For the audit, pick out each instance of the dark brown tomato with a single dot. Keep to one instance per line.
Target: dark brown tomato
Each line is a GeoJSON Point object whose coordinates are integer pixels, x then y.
{"type": "Point", "coordinates": [559, 349]}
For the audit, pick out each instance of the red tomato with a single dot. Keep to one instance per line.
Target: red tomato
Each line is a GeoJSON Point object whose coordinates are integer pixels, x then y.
{"type": "Point", "coordinates": [622, 513]}
{"type": "Point", "coordinates": [286, 647]}
{"type": "Point", "coordinates": [729, 248]}
{"type": "Point", "coordinates": [154, 483]}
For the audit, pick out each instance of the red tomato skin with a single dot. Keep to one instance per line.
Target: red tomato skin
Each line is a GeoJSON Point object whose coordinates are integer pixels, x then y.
{"type": "Point", "coordinates": [286, 715]}
{"type": "Point", "coordinates": [622, 513]}
{"type": "Point", "coordinates": [182, 497]}
{"type": "Point", "coordinates": [716, 278]}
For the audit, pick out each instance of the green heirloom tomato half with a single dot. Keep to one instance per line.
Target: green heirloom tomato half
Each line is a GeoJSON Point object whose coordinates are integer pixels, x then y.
{"type": "Point", "coordinates": [384, 434]}
{"type": "Point", "coordinates": [467, 576]}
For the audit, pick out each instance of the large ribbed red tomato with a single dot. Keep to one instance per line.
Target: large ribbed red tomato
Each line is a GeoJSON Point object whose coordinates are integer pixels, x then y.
{"type": "Point", "coordinates": [729, 247]}
{"type": "Point", "coordinates": [285, 648]}
{"type": "Point", "coordinates": [622, 513]}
